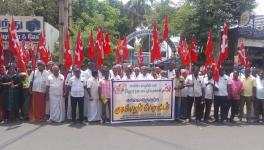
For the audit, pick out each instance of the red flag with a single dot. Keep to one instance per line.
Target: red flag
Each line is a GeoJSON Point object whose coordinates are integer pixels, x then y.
{"type": "Point", "coordinates": [67, 52]}
{"type": "Point", "coordinates": [43, 52]}
{"type": "Point", "coordinates": [209, 45]}
{"type": "Point", "coordinates": [179, 49]}
{"type": "Point", "coordinates": [210, 60]}
{"type": "Point", "coordinates": [13, 39]}
{"type": "Point", "coordinates": [224, 47]}
{"type": "Point", "coordinates": [117, 52]}
{"type": "Point", "coordinates": [248, 64]}
{"type": "Point", "coordinates": [215, 72]}
{"type": "Point", "coordinates": [91, 51]}
{"type": "Point", "coordinates": [32, 53]}
{"type": "Point", "coordinates": [193, 55]}
{"type": "Point", "coordinates": [15, 47]}
{"type": "Point", "coordinates": [100, 47]}
{"type": "Point", "coordinates": [79, 52]}
{"type": "Point", "coordinates": [155, 50]}
{"type": "Point", "coordinates": [107, 47]}
{"type": "Point", "coordinates": [165, 28]}
{"type": "Point", "coordinates": [140, 57]}
{"type": "Point", "coordinates": [125, 49]}
{"type": "Point", "coordinates": [26, 55]}
{"type": "Point", "coordinates": [2, 61]}
{"type": "Point", "coordinates": [243, 56]}
{"type": "Point", "coordinates": [185, 54]}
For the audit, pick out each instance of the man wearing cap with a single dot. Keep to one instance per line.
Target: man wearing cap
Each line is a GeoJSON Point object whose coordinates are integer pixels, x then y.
{"type": "Point", "coordinates": [38, 80]}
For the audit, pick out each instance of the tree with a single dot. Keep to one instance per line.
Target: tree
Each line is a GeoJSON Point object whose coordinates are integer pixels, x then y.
{"type": "Point", "coordinates": [136, 11]}
{"type": "Point", "coordinates": [46, 8]}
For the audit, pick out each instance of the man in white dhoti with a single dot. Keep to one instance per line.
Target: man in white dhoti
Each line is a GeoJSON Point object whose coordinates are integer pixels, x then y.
{"type": "Point", "coordinates": [94, 105]}
{"type": "Point", "coordinates": [55, 91]}
{"type": "Point", "coordinates": [49, 70]}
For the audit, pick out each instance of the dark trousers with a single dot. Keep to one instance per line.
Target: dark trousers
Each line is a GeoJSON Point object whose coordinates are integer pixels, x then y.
{"type": "Point", "coordinates": [74, 101]}
{"type": "Point", "coordinates": [177, 107]}
{"type": "Point", "coordinates": [208, 105]}
{"type": "Point", "coordinates": [259, 109]}
{"type": "Point", "coordinates": [234, 108]}
{"type": "Point", "coordinates": [221, 103]}
{"type": "Point", "coordinates": [198, 107]}
{"type": "Point", "coordinates": [183, 107]}
{"type": "Point", "coordinates": [66, 106]}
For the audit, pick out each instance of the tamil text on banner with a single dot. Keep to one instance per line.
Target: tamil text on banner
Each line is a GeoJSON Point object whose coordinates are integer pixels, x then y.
{"type": "Point", "coordinates": [140, 100]}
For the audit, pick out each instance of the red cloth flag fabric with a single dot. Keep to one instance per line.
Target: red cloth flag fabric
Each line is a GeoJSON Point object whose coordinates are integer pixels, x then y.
{"type": "Point", "coordinates": [79, 52]}
{"type": "Point", "coordinates": [224, 47]}
{"type": "Point", "coordinates": [243, 56]}
{"type": "Point", "coordinates": [43, 52]}
{"type": "Point", "coordinates": [107, 47]}
{"type": "Point", "coordinates": [2, 61]}
{"type": "Point", "coordinates": [125, 49]}
{"type": "Point", "coordinates": [91, 51]}
{"type": "Point", "coordinates": [100, 47]}
{"type": "Point", "coordinates": [165, 28]}
{"type": "Point", "coordinates": [117, 52]}
{"type": "Point", "coordinates": [179, 49]}
{"type": "Point", "coordinates": [193, 55]}
{"type": "Point", "coordinates": [155, 50]}
{"type": "Point", "coordinates": [215, 72]}
{"type": "Point", "coordinates": [140, 57]}
{"type": "Point", "coordinates": [15, 47]}
{"type": "Point", "coordinates": [13, 38]}
{"type": "Point", "coordinates": [67, 52]}
{"type": "Point", "coordinates": [209, 45]}
{"type": "Point", "coordinates": [185, 54]}
{"type": "Point", "coordinates": [33, 55]}
{"type": "Point", "coordinates": [26, 55]}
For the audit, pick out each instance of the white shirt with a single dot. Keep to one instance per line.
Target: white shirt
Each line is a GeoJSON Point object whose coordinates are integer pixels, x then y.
{"type": "Point", "coordinates": [208, 88]}
{"type": "Point", "coordinates": [93, 85]}
{"type": "Point", "coordinates": [184, 92]}
{"type": "Point", "coordinates": [56, 85]}
{"type": "Point", "coordinates": [117, 77]}
{"type": "Point", "coordinates": [69, 75]}
{"type": "Point", "coordinates": [260, 88]}
{"type": "Point", "coordinates": [197, 88]}
{"type": "Point", "coordinates": [77, 86]}
{"type": "Point", "coordinates": [145, 77]}
{"type": "Point", "coordinates": [132, 77]}
{"type": "Point", "coordinates": [39, 83]}
{"type": "Point", "coordinates": [222, 86]}
{"type": "Point", "coordinates": [171, 74]}
{"type": "Point", "coordinates": [85, 75]}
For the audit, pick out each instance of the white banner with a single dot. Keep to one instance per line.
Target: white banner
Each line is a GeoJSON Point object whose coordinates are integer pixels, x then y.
{"type": "Point", "coordinates": [142, 100]}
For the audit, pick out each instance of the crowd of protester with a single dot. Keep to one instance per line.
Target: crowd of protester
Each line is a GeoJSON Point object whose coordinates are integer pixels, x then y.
{"type": "Point", "coordinates": [50, 93]}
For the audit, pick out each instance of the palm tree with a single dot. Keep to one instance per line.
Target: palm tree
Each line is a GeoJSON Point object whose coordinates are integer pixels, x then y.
{"type": "Point", "coordinates": [137, 9]}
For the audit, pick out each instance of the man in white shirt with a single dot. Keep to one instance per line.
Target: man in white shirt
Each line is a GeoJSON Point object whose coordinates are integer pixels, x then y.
{"type": "Point", "coordinates": [195, 92]}
{"type": "Point", "coordinates": [209, 87]}
{"type": "Point", "coordinates": [49, 70]}
{"type": "Point", "coordinates": [94, 105]}
{"type": "Point", "coordinates": [55, 91]}
{"type": "Point", "coordinates": [38, 80]}
{"type": "Point", "coordinates": [144, 75]}
{"type": "Point", "coordinates": [76, 87]}
{"type": "Point", "coordinates": [221, 96]}
{"type": "Point", "coordinates": [171, 71]}
{"type": "Point", "coordinates": [259, 102]}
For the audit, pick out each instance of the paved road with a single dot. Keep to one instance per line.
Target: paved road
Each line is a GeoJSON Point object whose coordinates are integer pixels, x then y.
{"type": "Point", "coordinates": [143, 136]}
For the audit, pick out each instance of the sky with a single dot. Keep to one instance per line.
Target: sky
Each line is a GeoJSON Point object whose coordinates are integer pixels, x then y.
{"type": "Point", "coordinates": [260, 8]}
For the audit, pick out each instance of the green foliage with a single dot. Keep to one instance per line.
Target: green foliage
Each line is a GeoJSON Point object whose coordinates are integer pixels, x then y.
{"type": "Point", "coordinates": [48, 9]}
